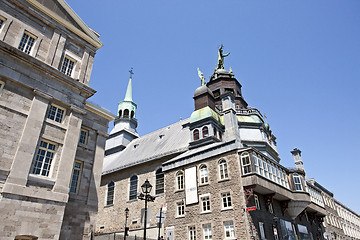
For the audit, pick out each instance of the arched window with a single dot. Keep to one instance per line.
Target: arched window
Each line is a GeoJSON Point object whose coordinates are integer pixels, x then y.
{"type": "Point", "coordinates": [205, 131]}
{"type": "Point", "coordinates": [159, 186]}
{"type": "Point", "coordinates": [180, 180]}
{"type": "Point", "coordinates": [132, 114]}
{"type": "Point", "coordinates": [223, 170]}
{"type": "Point", "coordinates": [120, 113]}
{"type": "Point", "coordinates": [215, 132]}
{"type": "Point", "coordinates": [203, 174]}
{"type": "Point", "coordinates": [110, 193]}
{"type": "Point", "coordinates": [133, 187]}
{"type": "Point", "coordinates": [196, 134]}
{"type": "Point", "coordinates": [245, 161]}
{"type": "Point", "coordinates": [126, 113]}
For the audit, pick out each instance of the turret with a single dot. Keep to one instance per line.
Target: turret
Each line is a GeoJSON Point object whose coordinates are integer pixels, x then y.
{"type": "Point", "coordinates": [297, 159]}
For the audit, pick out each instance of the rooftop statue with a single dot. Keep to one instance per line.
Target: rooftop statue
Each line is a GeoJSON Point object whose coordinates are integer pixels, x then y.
{"type": "Point", "coordinates": [201, 76]}
{"type": "Point", "coordinates": [220, 63]}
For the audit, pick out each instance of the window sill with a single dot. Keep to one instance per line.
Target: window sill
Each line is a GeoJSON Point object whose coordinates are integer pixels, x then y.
{"type": "Point", "coordinates": [55, 123]}
{"type": "Point", "coordinates": [132, 200]}
{"type": "Point", "coordinates": [205, 212]}
{"type": "Point", "coordinates": [224, 180]}
{"type": "Point", "coordinates": [179, 190]}
{"type": "Point", "coordinates": [204, 184]}
{"type": "Point", "coordinates": [226, 209]}
{"type": "Point", "coordinates": [41, 179]}
{"type": "Point", "coordinates": [110, 205]}
{"type": "Point", "coordinates": [182, 216]}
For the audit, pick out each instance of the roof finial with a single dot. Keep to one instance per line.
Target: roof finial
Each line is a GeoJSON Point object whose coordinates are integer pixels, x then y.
{"type": "Point", "coordinates": [131, 72]}
{"type": "Point", "coordinates": [201, 76]}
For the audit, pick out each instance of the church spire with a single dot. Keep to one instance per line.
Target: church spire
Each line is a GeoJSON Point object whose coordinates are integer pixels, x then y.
{"type": "Point", "coordinates": [128, 95]}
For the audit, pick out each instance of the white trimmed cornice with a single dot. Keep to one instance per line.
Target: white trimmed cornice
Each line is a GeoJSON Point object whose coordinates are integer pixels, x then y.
{"type": "Point", "coordinates": [88, 36]}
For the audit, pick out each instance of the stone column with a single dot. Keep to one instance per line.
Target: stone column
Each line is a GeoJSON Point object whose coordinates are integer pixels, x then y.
{"type": "Point", "coordinates": [29, 139]}
{"type": "Point", "coordinates": [69, 151]}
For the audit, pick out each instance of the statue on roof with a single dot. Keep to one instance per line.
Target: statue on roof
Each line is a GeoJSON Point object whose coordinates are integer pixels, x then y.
{"type": "Point", "coordinates": [220, 63]}
{"type": "Point", "coordinates": [201, 76]}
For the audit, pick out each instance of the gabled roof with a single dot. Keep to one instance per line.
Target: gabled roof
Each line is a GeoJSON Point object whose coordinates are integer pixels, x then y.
{"type": "Point", "coordinates": [61, 12]}
{"type": "Point", "coordinates": [173, 139]}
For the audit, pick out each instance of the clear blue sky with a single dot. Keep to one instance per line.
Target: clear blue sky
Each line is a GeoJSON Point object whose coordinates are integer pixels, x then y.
{"type": "Point", "coordinates": [298, 62]}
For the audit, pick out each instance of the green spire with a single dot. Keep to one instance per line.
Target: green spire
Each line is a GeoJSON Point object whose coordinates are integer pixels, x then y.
{"type": "Point", "coordinates": [128, 95]}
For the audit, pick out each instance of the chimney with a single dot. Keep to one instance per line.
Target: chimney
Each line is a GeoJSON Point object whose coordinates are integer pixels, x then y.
{"type": "Point", "coordinates": [297, 159]}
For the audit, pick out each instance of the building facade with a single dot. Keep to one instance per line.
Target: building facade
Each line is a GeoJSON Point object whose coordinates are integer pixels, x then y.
{"type": "Point", "coordinates": [52, 138]}
{"type": "Point", "coordinates": [215, 175]}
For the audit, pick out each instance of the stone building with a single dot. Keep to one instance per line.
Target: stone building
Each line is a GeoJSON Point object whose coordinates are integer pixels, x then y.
{"type": "Point", "coordinates": [52, 138]}
{"type": "Point", "coordinates": [216, 174]}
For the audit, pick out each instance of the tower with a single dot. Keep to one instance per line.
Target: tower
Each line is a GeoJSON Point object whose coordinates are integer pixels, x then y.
{"type": "Point", "coordinates": [125, 124]}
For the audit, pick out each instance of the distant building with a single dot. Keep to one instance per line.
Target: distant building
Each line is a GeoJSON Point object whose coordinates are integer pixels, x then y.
{"type": "Point", "coordinates": [216, 175]}
{"type": "Point", "coordinates": [52, 139]}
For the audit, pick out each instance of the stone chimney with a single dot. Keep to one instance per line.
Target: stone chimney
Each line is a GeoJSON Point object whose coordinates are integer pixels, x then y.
{"type": "Point", "coordinates": [297, 159]}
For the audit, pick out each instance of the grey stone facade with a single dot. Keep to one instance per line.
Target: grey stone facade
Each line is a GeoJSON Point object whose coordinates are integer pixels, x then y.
{"type": "Point", "coordinates": [46, 55]}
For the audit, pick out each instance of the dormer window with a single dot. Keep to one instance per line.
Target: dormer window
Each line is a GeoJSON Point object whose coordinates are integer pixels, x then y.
{"type": "Point", "coordinates": [205, 131]}
{"type": "Point", "coordinates": [196, 134]}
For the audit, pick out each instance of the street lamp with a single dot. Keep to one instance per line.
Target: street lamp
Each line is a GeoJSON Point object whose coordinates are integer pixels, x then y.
{"type": "Point", "coordinates": [126, 218]}
{"type": "Point", "coordinates": [146, 189]}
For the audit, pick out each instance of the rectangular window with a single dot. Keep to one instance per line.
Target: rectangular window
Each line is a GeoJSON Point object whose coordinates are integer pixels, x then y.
{"type": "Point", "coordinates": [246, 164]}
{"type": "Point", "coordinates": [83, 136]}
{"type": "Point", "coordinates": [257, 202]}
{"type": "Point", "coordinates": [203, 174]}
{"type": "Point", "coordinates": [180, 209]}
{"type": "Point", "coordinates": [1, 23]}
{"type": "Point", "coordinates": [26, 43]}
{"type": "Point", "coordinates": [297, 182]}
{"type": "Point", "coordinates": [44, 157]}
{"type": "Point", "coordinates": [68, 66]}
{"type": "Point", "coordinates": [75, 178]}
{"type": "Point", "coordinates": [226, 200]}
{"type": "Point", "coordinates": [207, 232]}
{"type": "Point", "coordinates": [262, 232]}
{"type": "Point", "coordinates": [261, 167]}
{"type": "Point", "coordinates": [271, 210]}
{"type": "Point", "coordinates": [205, 204]}
{"type": "Point", "coordinates": [229, 229]}
{"type": "Point", "coordinates": [256, 164]}
{"type": "Point", "coordinates": [192, 233]}
{"type": "Point", "coordinates": [56, 113]}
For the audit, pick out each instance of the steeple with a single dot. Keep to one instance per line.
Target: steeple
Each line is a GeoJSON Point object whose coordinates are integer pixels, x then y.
{"type": "Point", "coordinates": [125, 124]}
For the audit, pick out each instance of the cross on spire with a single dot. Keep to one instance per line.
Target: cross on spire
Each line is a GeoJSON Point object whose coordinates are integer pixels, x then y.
{"type": "Point", "coordinates": [131, 72]}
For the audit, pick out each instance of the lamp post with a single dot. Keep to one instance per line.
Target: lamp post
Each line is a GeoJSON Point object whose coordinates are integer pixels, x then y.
{"type": "Point", "coordinates": [146, 189]}
{"type": "Point", "coordinates": [126, 218]}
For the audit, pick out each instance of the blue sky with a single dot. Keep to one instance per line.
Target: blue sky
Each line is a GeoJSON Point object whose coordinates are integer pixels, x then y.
{"type": "Point", "coordinates": [298, 62]}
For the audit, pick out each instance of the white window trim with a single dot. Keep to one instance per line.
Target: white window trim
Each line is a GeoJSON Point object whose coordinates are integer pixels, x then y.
{"type": "Point", "coordinates": [35, 44]}
{"type": "Point", "coordinates": [227, 170]}
{"type": "Point", "coordinates": [77, 62]}
{"type": "Point", "coordinates": [207, 195]}
{"type": "Point", "coordinates": [191, 229]}
{"type": "Point", "coordinates": [86, 136]}
{"type": "Point", "coordinates": [257, 202]}
{"type": "Point", "coordinates": [201, 177]}
{"type": "Point", "coordinates": [231, 229]}
{"type": "Point", "coordinates": [177, 182]}
{"type": "Point", "coordinates": [222, 202]}
{"type": "Point", "coordinates": [40, 176]}
{"type": "Point", "coordinates": [206, 235]}
{"type": "Point", "coordinates": [177, 204]}
{"type": "Point", "coordinates": [106, 195]}
{"type": "Point", "coordinates": [261, 230]}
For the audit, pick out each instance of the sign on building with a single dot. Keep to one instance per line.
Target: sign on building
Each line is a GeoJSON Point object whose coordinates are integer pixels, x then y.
{"type": "Point", "coordinates": [191, 193]}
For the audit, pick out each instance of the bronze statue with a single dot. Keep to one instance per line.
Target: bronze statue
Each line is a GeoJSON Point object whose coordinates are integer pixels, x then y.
{"type": "Point", "coordinates": [201, 76]}
{"type": "Point", "coordinates": [220, 63]}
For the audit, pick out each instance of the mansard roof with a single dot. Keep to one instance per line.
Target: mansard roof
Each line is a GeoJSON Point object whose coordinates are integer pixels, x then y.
{"type": "Point", "coordinates": [171, 140]}
{"type": "Point", "coordinates": [62, 13]}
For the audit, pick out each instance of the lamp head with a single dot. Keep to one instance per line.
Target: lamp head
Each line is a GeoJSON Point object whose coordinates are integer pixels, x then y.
{"type": "Point", "coordinates": [146, 187]}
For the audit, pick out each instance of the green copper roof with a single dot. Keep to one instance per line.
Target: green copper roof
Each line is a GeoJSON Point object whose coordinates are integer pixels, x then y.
{"type": "Point", "coordinates": [249, 119]}
{"type": "Point", "coordinates": [128, 95]}
{"type": "Point", "coordinates": [205, 113]}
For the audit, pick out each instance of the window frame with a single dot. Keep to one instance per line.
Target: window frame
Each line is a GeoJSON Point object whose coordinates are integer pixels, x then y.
{"type": "Point", "coordinates": [85, 141]}
{"type": "Point", "coordinates": [257, 202]}
{"type": "Point", "coordinates": [2, 85]}
{"type": "Point", "coordinates": [223, 169]}
{"type": "Point", "coordinates": [205, 132]}
{"type": "Point", "coordinates": [110, 193]}
{"type": "Point", "coordinates": [207, 231]}
{"type": "Point", "coordinates": [229, 228]}
{"type": "Point", "coordinates": [133, 187]}
{"type": "Point", "coordinates": [192, 232]}
{"type": "Point", "coordinates": [205, 206]}
{"type": "Point", "coordinates": [196, 134]}
{"type": "Point", "coordinates": [78, 180]}
{"type": "Point", "coordinates": [180, 181]}
{"type": "Point", "coordinates": [180, 208]}
{"type": "Point", "coordinates": [24, 48]}
{"type": "Point", "coordinates": [65, 66]}
{"type": "Point", "coordinates": [159, 182]}
{"type": "Point", "coordinates": [297, 184]}
{"type": "Point", "coordinates": [261, 230]}
{"type": "Point", "coordinates": [203, 174]}
{"type": "Point", "coordinates": [226, 201]}
{"type": "Point", "coordinates": [246, 167]}
{"type": "Point", "coordinates": [44, 155]}
{"type": "Point", "coordinates": [57, 107]}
